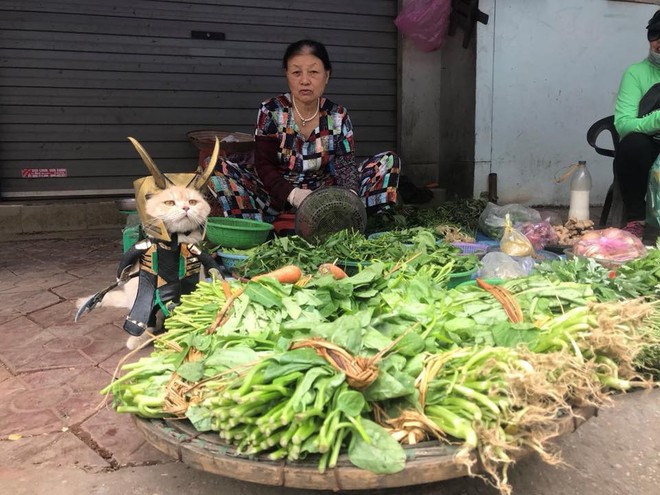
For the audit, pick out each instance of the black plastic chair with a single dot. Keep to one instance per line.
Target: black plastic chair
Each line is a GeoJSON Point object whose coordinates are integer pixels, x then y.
{"type": "Point", "coordinates": [613, 195]}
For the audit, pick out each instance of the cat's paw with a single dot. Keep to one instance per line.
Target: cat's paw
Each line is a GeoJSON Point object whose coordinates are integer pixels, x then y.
{"type": "Point", "coordinates": [134, 342]}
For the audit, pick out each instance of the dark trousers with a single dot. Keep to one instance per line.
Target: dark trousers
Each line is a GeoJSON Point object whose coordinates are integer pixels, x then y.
{"type": "Point", "coordinates": [634, 158]}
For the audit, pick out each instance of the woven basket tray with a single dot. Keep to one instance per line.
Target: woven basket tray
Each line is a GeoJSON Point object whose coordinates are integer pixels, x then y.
{"type": "Point", "coordinates": [427, 462]}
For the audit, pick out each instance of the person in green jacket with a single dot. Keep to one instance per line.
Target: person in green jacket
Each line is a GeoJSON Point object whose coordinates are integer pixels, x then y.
{"type": "Point", "coordinates": [637, 120]}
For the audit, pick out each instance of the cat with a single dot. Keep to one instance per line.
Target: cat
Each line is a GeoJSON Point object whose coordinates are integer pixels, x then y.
{"type": "Point", "coordinates": [183, 212]}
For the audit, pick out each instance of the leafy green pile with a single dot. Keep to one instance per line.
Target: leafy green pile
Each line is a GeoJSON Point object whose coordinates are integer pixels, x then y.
{"type": "Point", "coordinates": [450, 360]}
{"type": "Point", "coordinates": [635, 278]}
{"type": "Point", "coordinates": [463, 213]}
{"type": "Point", "coordinates": [351, 246]}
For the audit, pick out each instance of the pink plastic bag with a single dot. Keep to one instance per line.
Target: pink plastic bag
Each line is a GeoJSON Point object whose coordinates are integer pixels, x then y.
{"type": "Point", "coordinates": [540, 234]}
{"type": "Point", "coordinates": [610, 244]}
{"type": "Point", "coordinates": [425, 22]}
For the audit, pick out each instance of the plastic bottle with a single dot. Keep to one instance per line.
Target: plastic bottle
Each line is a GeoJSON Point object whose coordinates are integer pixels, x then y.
{"type": "Point", "coordinates": [580, 189]}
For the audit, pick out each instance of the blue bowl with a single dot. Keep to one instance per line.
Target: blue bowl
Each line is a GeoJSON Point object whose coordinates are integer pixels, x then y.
{"type": "Point", "coordinates": [230, 261]}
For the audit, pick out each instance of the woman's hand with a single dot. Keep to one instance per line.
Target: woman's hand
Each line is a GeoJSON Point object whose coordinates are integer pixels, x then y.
{"type": "Point", "coordinates": [297, 195]}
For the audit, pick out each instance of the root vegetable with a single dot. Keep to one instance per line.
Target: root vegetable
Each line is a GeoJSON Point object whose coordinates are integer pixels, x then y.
{"type": "Point", "coordinates": [288, 274]}
{"type": "Point", "coordinates": [334, 270]}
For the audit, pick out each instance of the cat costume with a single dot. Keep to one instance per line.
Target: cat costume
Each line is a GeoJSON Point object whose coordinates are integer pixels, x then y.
{"type": "Point", "coordinates": [168, 268]}
{"type": "Point", "coordinates": [168, 260]}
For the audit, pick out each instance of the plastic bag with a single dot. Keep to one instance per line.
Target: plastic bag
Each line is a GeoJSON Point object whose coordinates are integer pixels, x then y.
{"type": "Point", "coordinates": [500, 265]}
{"type": "Point", "coordinates": [514, 242]}
{"type": "Point", "coordinates": [609, 244]}
{"type": "Point", "coordinates": [539, 234]}
{"type": "Point", "coordinates": [653, 196]}
{"type": "Point", "coordinates": [425, 22]}
{"type": "Point", "coordinates": [491, 220]}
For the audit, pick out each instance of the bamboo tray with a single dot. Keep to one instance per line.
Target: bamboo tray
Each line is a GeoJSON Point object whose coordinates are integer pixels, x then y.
{"type": "Point", "coordinates": [426, 462]}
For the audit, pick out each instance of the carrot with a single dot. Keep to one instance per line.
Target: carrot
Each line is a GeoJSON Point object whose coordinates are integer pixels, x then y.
{"type": "Point", "coordinates": [334, 270]}
{"type": "Point", "coordinates": [226, 289]}
{"type": "Point", "coordinates": [288, 274]}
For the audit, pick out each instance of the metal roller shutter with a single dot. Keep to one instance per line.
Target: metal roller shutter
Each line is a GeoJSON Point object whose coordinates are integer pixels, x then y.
{"type": "Point", "coordinates": [78, 77]}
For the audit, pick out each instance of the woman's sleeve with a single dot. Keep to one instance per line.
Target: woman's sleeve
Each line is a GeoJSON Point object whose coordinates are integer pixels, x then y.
{"type": "Point", "coordinates": [265, 163]}
{"type": "Point", "coordinates": [345, 169]}
{"type": "Point", "coordinates": [626, 120]}
{"type": "Point", "coordinates": [267, 147]}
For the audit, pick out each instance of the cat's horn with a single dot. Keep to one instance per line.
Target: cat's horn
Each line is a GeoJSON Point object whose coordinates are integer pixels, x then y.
{"type": "Point", "coordinates": [201, 180]}
{"type": "Point", "coordinates": [159, 178]}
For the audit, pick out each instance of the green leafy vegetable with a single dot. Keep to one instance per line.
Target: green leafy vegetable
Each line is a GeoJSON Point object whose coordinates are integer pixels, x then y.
{"type": "Point", "coordinates": [382, 454]}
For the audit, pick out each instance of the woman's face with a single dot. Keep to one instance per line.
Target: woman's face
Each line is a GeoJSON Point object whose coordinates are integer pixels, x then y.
{"type": "Point", "coordinates": [306, 77]}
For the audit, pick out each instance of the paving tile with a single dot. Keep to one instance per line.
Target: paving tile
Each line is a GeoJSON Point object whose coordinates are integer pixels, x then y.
{"type": "Point", "coordinates": [84, 287]}
{"type": "Point", "coordinates": [98, 268]}
{"type": "Point", "coordinates": [50, 353]}
{"type": "Point", "coordinates": [27, 411]}
{"type": "Point", "coordinates": [30, 401]}
{"type": "Point", "coordinates": [7, 276]}
{"type": "Point", "coordinates": [95, 343]}
{"type": "Point", "coordinates": [77, 380]}
{"type": "Point", "coordinates": [36, 423]}
{"type": "Point", "coordinates": [53, 450]}
{"type": "Point", "coordinates": [27, 302]}
{"type": "Point", "coordinates": [9, 386]}
{"type": "Point", "coordinates": [18, 332]}
{"type": "Point", "coordinates": [46, 401]}
{"type": "Point", "coordinates": [4, 374]}
{"type": "Point", "coordinates": [16, 353]}
{"type": "Point", "coordinates": [8, 316]}
{"type": "Point", "coordinates": [106, 340]}
{"type": "Point", "coordinates": [81, 406]}
{"type": "Point", "coordinates": [35, 281]}
{"type": "Point", "coordinates": [118, 434]}
{"type": "Point", "coordinates": [75, 391]}
{"type": "Point", "coordinates": [57, 314]}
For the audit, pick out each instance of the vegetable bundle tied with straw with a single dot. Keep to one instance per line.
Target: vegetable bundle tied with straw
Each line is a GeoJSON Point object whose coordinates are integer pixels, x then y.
{"type": "Point", "coordinates": [360, 371]}
{"type": "Point", "coordinates": [292, 404]}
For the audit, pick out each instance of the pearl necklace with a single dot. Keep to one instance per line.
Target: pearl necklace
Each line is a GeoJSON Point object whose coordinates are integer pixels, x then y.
{"type": "Point", "coordinates": [303, 120]}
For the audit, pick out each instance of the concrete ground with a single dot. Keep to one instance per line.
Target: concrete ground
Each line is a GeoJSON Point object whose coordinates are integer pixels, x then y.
{"type": "Point", "coordinates": [55, 439]}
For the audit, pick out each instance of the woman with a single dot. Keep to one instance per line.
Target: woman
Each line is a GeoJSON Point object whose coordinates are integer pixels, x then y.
{"type": "Point", "coordinates": [637, 120]}
{"type": "Point", "coordinates": [304, 141]}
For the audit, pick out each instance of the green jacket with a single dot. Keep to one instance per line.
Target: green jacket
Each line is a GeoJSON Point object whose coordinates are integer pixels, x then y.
{"type": "Point", "coordinates": [635, 82]}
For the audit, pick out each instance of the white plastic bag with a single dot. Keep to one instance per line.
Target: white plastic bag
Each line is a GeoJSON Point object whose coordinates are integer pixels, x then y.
{"type": "Point", "coordinates": [491, 220]}
{"type": "Point", "coordinates": [500, 265]}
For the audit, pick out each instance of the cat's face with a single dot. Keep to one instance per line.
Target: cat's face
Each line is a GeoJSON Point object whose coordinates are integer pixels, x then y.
{"type": "Point", "coordinates": [182, 209]}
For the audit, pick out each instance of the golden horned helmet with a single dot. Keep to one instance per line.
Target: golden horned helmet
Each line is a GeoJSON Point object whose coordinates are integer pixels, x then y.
{"type": "Point", "coordinates": [158, 181]}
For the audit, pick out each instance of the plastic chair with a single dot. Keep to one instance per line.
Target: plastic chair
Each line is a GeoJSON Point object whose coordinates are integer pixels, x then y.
{"type": "Point", "coordinates": [613, 197]}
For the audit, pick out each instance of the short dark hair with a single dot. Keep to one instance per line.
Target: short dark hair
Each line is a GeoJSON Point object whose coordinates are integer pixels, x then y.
{"type": "Point", "coordinates": [312, 47]}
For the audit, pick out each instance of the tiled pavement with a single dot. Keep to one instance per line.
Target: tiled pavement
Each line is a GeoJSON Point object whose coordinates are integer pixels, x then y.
{"type": "Point", "coordinates": [55, 438]}
{"type": "Point", "coordinates": [54, 368]}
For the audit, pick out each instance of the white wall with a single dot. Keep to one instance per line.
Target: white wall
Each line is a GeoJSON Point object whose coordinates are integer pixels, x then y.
{"type": "Point", "coordinates": [546, 70]}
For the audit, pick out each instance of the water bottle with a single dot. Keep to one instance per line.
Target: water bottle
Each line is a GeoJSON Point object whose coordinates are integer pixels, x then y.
{"type": "Point", "coordinates": [580, 188]}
